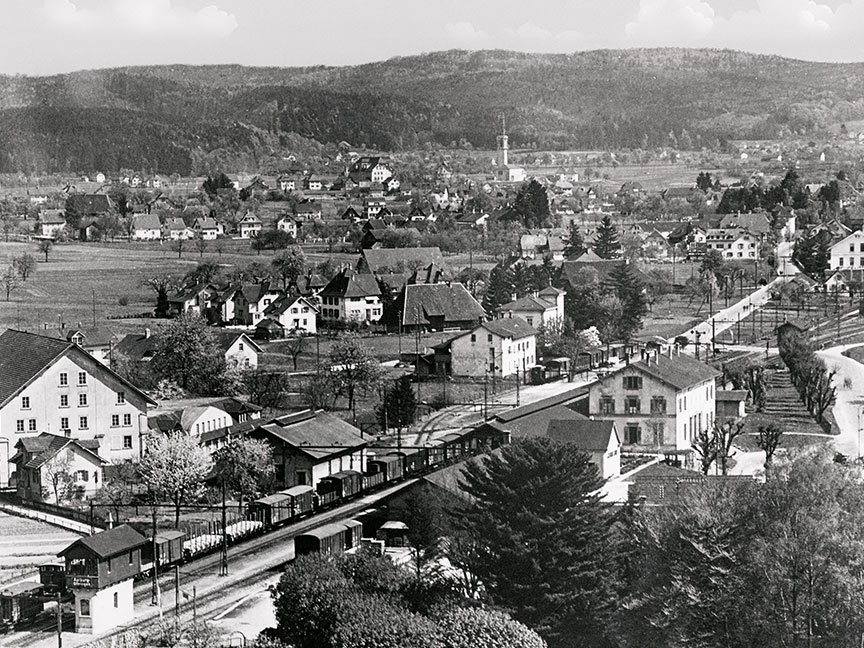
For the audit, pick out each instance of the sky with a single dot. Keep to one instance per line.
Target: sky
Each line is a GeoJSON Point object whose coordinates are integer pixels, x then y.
{"type": "Point", "coordinates": [41, 37]}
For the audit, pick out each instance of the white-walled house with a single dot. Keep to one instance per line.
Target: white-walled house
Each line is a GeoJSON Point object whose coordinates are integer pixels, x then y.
{"type": "Point", "coordinates": [146, 227]}
{"type": "Point", "coordinates": [52, 385]}
{"type": "Point", "coordinates": [252, 300]}
{"type": "Point", "coordinates": [733, 243]}
{"type": "Point", "coordinates": [351, 296]}
{"type": "Point", "coordinates": [249, 226]}
{"type": "Point", "coordinates": [294, 313]}
{"type": "Point", "coordinates": [52, 468]}
{"type": "Point", "coordinates": [544, 308]}
{"type": "Point", "coordinates": [206, 228]}
{"type": "Point", "coordinates": [599, 439]}
{"type": "Point", "coordinates": [660, 403]}
{"type": "Point", "coordinates": [287, 224]}
{"type": "Point", "coordinates": [240, 350]}
{"type": "Point", "coordinates": [502, 347]}
{"type": "Point", "coordinates": [848, 252]}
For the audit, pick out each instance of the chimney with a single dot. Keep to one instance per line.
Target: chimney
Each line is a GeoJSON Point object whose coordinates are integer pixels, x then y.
{"type": "Point", "coordinates": [146, 333]}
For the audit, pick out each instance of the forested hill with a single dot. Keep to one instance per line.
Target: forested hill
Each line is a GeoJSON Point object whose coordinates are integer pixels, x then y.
{"type": "Point", "coordinates": [184, 118]}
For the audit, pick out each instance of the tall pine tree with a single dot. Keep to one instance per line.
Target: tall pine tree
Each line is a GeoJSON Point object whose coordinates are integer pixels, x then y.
{"type": "Point", "coordinates": [631, 293]}
{"type": "Point", "coordinates": [499, 289]}
{"type": "Point", "coordinates": [532, 204]}
{"type": "Point", "coordinates": [574, 246]}
{"type": "Point", "coordinates": [544, 541]}
{"type": "Point", "coordinates": [606, 243]}
{"type": "Point", "coordinates": [399, 406]}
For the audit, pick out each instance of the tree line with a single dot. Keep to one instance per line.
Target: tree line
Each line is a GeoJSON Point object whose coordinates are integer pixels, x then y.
{"type": "Point", "coordinates": [808, 373]}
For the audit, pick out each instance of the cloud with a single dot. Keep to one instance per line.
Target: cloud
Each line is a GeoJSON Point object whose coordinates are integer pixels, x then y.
{"type": "Point", "coordinates": [658, 22]}
{"type": "Point", "coordinates": [141, 17]}
{"type": "Point", "coordinates": [465, 33]}
{"type": "Point", "coordinates": [528, 36]}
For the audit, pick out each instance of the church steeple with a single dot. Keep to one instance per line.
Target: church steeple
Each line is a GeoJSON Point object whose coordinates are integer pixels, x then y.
{"type": "Point", "coordinates": [503, 145]}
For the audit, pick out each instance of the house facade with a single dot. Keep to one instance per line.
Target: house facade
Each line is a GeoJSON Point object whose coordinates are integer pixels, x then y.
{"type": "Point", "coordinates": [660, 404]}
{"type": "Point", "coordinates": [54, 386]}
{"type": "Point", "coordinates": [351, 296]}
{"type": "Point", "coordinates": [310, 445]}
{"type": "Point", "coordinates": [294, 313]}
{"type": "Point", "coordinates": [848, 252]}
{"type": "Point", "coordinates": [53, 469]}
{"type": "Point", "coordinates": [499, 348]}
{"type": "Point", "coordinates": [249, 226]}
{"type": "Point", "coordinates": [543, 308]}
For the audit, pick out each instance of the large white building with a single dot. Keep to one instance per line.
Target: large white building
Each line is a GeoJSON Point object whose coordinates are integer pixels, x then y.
{"type": "Point", "coordinates": [353, 296]}
{"type": "Point", "coordinates": [848, 252]}
{"type": "Point", "coordinates": [660, 404]}
{"type": "Point", "coordinates": [501, 348]}
{"type": "Point", "coordinates": [52, 385]}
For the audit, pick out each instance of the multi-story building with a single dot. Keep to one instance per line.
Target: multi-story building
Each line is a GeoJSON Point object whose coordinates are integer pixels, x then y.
{"type": "Point", "coordinates": [353, 296]}
{"type": "Point", "coordinates": [501, 348]}
{"type": "Point", "coordinates": [848, 252]}
{"type": "Point", "coordinates": [660, 403]}
{"type": "Point", "coordinates": [544, 308]}
{"type": "Point", "coordinates": [52, 385]}
{"type": "Point", "coordinates": [733, 244]}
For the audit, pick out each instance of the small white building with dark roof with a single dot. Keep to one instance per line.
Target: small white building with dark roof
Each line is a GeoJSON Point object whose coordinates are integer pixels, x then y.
{"type": "Point", "coordinates": [599, 439]}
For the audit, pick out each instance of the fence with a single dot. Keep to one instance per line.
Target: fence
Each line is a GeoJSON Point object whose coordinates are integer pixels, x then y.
{"type": "Point", "coordinates": [82, 516]}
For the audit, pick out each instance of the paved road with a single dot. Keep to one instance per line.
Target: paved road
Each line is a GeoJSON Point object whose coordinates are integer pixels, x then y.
{"type": "Point", "coordinates": [849, 382]}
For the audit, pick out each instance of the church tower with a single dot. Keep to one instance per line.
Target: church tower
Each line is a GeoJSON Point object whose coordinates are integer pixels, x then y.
{"type": "Point", "coordinates": [503, 146]}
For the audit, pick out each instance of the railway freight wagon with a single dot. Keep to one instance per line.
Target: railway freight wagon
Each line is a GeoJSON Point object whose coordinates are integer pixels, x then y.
{"type": "Point", "coordinates": [302, 499]}
{"type": "Point", "coordinates": [329, 539]}
{"type": "Point", "coordinates": [339, 486]}
{"type": "Point", "coordinates": [388, 465]}
{"type": "Point", "coordinates": [272, 510]}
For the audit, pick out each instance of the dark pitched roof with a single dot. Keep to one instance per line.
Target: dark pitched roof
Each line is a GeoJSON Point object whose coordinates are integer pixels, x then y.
{"type": "Point", "coordinates": [44, 447]}
{"type": "Point", "coordinates": [316, 434]}
{"type": "Point", "coordinates": [137, 346]}
{"type": "Point", "coordinates": [89, 204]}
{"type": "Point", "coordinates": [109, 543]}
{"type": "Point", "coordinates": [351, 284]}
{"type": "Point", "coordinates": [224, 339]}
{"type": "Point", "coordinates": [731, 394]}
{"type": "Point", "coordinates": [588, 434]}
{"type": "Point", "coordinates": [679, 371]}
{"type": "Point", "coordinates": [527, 303]}
{"type": "Point", "coordinates": [380, 258]}
{"type": "Point", "coordinates": [23, 356]}
{"type": "Point", "coordinates": [512, 327]}
{"type": "Point", "coordinates": [450, 300]}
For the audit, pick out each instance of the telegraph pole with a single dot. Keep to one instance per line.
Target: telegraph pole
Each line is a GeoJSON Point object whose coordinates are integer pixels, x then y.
{"type": "Point", "coordinates": [223, 566]}
{"type": "Point", "coordinates": [155, 587]}
{"type": "Point", "coordinates": [59, 622]}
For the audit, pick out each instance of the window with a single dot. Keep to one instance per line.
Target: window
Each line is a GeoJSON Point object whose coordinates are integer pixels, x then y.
{"type": "Point", "coordinates": [489, 338]}
{"type": "Point", "coordinates": [607, 405]}
{"type": "Point", "coordinates": [658, 431]}
{"type": "Point", "coordinates": [81, 475]}
{"type": "Point", "coordinates": [64, 400]}
{"type": "Point", "coordinates": [127, 419]}
{"type": "Point", "coordinates": [82, 423]}
{"type": "Point", "coordinates": [64, 423]}
{"type": "Point", "coordinates": [658, 404]}
{"type": "Point", "coordinates": [116, 602]}
{"type": "Point", "coordinates": [82, 400]}
{"type": "Point", "coordinates": [841, 262]}
{"type": "Point", "coordinates": [82, 377]}
{"type": "Point", "coordinates": [632, 382]}
{"type": "Point", "coordinates": [19, 425]}
{"type": "Point", "coordinates": [84, 607]}
{"type": "Point", "coordinates": [131, 560]}
{"type": "Point", "coordinates": [115, 420]}
{"type": "Point", "coordinates": [127, 442]}
{"type": "Point", "coordinates": [632, 433]}
{"type": "Point", "coordinates": [31, 425]}
{"type": "Point", "coordinates": [64, 379]}
{"type": "Point", "coordinates": [240, 346]}
{"type": "Point", "coordinates": [631, 405]}
{"type": "Point", "coordinates": [25, 402]}
{"type": "Point", "coordinates": [121, 398]}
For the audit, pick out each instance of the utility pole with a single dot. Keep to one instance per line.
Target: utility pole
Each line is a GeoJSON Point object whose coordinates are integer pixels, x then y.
{"type": "Point", "coordinates": [517, 386]}
{"type": "Point", "coordinates": [223, 566]}
{"type": "Point", "coordinates": [486, 395]}
{"type": "Point", "coordinates": [155, 587]}
{"type": "Point", "coordinates": [177, 591]}
{"type": "Point", "coordinates": [59, 622]}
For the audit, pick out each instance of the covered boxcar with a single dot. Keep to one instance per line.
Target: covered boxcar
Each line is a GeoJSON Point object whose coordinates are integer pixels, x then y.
{"type": "Point", "coordinates": [20, 602]}
{"type": "Point", "coordinates": [329, 539]}
{"type": "Point", "coordinates": [413, 459]}
{"type": "Point", "coordinates": [302, 499]}
{"type": "Point", "coordinates": [389, 465]}
{"type": "Point", "coordinates": [339, 485]}
{"type": "Point", "coordinates": [52, 575]}
{"type": "Point", "coordinates": [272, 510]}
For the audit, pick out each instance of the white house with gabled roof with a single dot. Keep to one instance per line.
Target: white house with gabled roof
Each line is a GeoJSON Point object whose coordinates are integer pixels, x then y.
{"type": "Point", "coordinates": [848, 252]}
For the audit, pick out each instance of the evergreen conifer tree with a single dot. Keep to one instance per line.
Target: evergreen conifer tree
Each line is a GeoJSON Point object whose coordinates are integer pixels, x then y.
{"type": "Point", "coordinates": [499, 289]}
{"type": "Point", "coordinates": [631, 293]}
{"type": "Point", "coordinates": [544, 538]}
{"type": "Point", "coordinates": [574, 246]}
{"type": "Point", "coordinates": [607, 244]}
{"type": "Point", "coordinates": [399, 406]}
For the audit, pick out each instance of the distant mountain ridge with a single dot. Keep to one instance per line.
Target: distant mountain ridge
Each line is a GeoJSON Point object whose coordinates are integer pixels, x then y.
{"type": "Point", "coordinates": [183, 118]}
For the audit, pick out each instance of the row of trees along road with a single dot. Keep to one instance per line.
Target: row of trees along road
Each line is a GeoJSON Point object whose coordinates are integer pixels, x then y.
{"type": "Point", "coordinates": [721, 564]}
{"type": "Point", "coordinates": [807, 372]}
